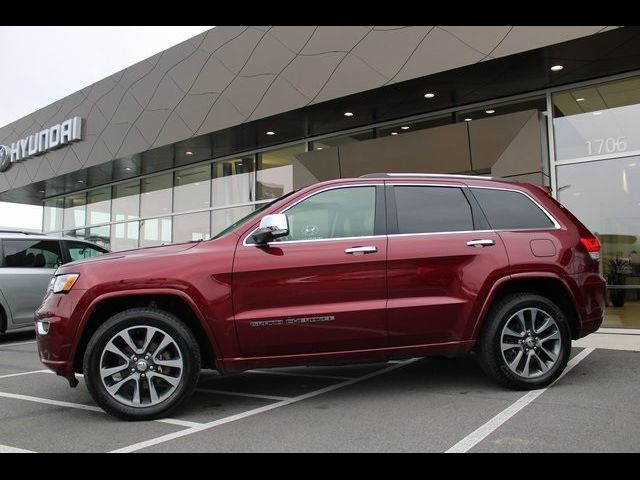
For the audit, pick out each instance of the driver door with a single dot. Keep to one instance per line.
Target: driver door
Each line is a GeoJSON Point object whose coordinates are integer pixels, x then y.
{"type": "Point", "coordinates": [322, 287]}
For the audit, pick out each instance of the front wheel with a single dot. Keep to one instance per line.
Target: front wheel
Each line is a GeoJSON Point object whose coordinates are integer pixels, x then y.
{"type": "Point", "coordinates": [141, 364]}
{"type": "Point", "coordinates": [525, 343]}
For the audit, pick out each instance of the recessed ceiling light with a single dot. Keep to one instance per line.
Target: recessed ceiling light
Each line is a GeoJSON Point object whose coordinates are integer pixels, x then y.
{"type": "Point", "coordinates": [80, 181]}
{"type": "Point", "coordinates": [580, 99]}
{"type": "Point", "coordinates": [405, 127]}
{"type": "Point", "coordinates": [128, 169]}
{"type": "Point", "coordinates": [556, 68]}
{"type": "Point", "coordinates": [319, 148]}
{"type": "Point", "coordinates": [394, 133]}
{"type": "Point", "coordinates": [271, 133]}
{"type": "Point", "coordinates": [597, 113]}
{"type": "Point", "coordinates": [348, 114]}
{"type": "Point", "coordinates": [490, 111]}
{"type": "Point", "coordinates": [41, 191]}
{"type": "Point", "coordinates": [468, 119]}
{"type": "Point", "coordinates": [429, 95]}
{"type": "Point", "coordinates": [188, 152]}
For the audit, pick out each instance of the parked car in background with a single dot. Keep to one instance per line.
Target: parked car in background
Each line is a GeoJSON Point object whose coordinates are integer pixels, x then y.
{"type": "Point", "coordinates": [27, 264]}
{"type": "Point", "coordinates": [374, 268]}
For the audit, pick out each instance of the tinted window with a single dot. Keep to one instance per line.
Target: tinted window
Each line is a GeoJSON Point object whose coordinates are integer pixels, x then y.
{"type": "Point", "coordinates": [432, 209]}
{"type": "Point", "coordinates": [79, 250]}
{"type": "Point", "coordinates": [342, 212]}
{"type": "Point", "coordinates": [507, 210]}
{"type": "Point", "coordinates": [31, 253]}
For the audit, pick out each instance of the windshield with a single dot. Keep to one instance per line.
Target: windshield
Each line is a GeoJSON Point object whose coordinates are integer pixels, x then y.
{"type": "Point", "coordinates": [253, 214]}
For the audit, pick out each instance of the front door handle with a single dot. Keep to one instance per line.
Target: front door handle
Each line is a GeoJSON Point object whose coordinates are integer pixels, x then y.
{"type": "Point", "coordinates": [361, 250]}
{"type": "Point", "coordinates": [480, 243]}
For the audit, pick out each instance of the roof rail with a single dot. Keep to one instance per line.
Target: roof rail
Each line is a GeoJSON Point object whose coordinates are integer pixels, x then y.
{"type": "Point", "coordinates": [437, 175]}
{"type": "Point", "coordinates": [22, 231]}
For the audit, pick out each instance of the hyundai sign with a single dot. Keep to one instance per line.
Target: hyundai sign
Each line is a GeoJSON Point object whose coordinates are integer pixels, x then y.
{"type": "Point", "coordinates": [48, 139]}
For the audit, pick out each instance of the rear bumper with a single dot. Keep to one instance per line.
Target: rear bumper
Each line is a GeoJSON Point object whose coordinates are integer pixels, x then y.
{"type": "Point", "coordinates": [590, 290]}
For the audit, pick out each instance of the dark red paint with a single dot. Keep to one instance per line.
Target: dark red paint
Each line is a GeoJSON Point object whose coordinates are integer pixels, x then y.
{"type": "Point", "coordinates": [417, 295]}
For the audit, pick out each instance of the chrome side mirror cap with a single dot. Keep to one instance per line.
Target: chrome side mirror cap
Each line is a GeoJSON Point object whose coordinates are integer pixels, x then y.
{"type": "Point", "coordinates": [271, 227]}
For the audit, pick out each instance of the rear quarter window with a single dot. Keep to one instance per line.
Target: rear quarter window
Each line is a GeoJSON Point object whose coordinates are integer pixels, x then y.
{"type": "Point", "coordinates": [509, 210]}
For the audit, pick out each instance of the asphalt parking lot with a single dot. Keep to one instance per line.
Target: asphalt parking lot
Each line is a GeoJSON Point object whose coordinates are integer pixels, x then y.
{"type": "Point", "coordinates": [416, 405]}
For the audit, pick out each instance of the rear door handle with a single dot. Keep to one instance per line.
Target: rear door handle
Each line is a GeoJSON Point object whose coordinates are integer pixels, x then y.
{"type": "Point", "coordinates": [363, 250]}
{"type": "Point", "coordinates": [480, 243]}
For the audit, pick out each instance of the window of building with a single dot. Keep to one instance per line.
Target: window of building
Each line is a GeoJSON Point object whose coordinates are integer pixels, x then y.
{"type": "Point", "coordinates": [508, 210]}
{"type": "Point", "coordinates": [124, 236]}
{"type": "Point", "coordinates": [597, 121]}
{"type": "Point", "coordinates": [275, 172]}
{"type": "Point", "coordinates": [52, 215]}
{"type": "Point", "coordinates": [432, 209]}
{"type": "Point", "coordinates": [342, 212]}
{"type": "Point", "coordinates": [75, 210]}
{"type": "Point", "coordinates": [233, 181]}
{"type": "Point", "coordinates": [155, 231]}
{"type": "Point", "coordinates": [192, 226]}
{"type": "Point", "coordinates": [156, 195]}
{"type": "Point", "coordinates": [31, 253]}
{"type": "Point", "coordinates": [221, 219]}
{"type": "Point", "coordinates": [339, 140]}
{"type": "Point", "coordinates": [192, 189]}
{"type": "Point", "coordinates": [99, 206]}
{"type": "Point", "coordinates": [126, 202]}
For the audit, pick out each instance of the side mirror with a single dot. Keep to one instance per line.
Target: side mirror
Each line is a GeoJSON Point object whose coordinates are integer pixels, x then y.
{"type": "Point", "coordinates": [271, 227]}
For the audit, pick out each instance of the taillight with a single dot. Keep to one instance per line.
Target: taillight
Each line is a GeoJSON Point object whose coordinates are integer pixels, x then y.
{"type": "Point", "coordinates": [592, 245]}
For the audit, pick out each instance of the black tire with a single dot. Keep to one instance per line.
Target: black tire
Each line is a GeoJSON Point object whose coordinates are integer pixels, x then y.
{"type": "Point", "coordinates": [488, 346]}
{"type": "Point", "coordinates": [151, 317]}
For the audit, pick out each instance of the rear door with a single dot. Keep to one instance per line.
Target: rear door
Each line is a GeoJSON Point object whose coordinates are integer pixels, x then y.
{"type": "Point", "coordinates": [442, 258]}
{"type": "Point", "coordinates": [27, 267]}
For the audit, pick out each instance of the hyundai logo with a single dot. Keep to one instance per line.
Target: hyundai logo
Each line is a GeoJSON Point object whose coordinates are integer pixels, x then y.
{"type": "Point", "coordinates": [5, 158]}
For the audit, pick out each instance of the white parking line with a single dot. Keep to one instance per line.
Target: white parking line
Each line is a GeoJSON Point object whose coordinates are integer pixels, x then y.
{"type": "Point", "coordinates": [8, 449]}
{"type": "Point", "coordinates": [293, 374]}
{"type": "Point", "coordinates": [475, 437]}
{"type": "Point", "coordinates": [13, 344]}
{"type": "Point", "coordinates": [91, 408]}
{"type": "Point", "coordinates": [255, 411]}
{"type": "Point", "coordinates": [25, 373]}
{"type": "Point", "coordinates": [241, 394]}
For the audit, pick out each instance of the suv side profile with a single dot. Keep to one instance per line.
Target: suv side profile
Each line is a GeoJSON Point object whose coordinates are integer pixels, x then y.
{"type": "Point", "coordinates": [27, 264]}
{"type": "Point", "coordinates": [373, 268]}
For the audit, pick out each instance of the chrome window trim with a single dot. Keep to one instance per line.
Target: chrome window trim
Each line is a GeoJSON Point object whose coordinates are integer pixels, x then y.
{"type": "Point", "coordinates": [459, 185]}
{"type": "Point", "coordinates": [332, 187]}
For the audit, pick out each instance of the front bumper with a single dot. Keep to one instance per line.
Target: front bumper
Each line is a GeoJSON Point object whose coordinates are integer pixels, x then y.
{"type": "Point", "coordinates": [56, 347]}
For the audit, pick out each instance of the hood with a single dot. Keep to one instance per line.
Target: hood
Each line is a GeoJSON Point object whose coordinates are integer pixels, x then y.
{"type": "Point", "coordinates": [137, 253]}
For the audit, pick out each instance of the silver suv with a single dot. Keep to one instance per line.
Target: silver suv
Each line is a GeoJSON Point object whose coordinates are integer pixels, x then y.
{"type": "Point", "coordinates": [27, 263]}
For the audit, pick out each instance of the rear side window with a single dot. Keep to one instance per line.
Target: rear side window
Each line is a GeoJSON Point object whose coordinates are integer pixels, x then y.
{"type": "Point", "coordinates": [31, 253]}
{"type": "Point", "coordinates": [508, 210]}
{"type": "Point", "coordinates": [432, 209]}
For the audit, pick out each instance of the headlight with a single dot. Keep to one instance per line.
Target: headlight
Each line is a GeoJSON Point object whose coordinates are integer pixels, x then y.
{"type": "Point", "coordinates": [64, 283]}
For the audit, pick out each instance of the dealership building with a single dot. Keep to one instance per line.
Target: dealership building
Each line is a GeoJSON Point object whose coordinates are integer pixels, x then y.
{"type": "Point", "coordinates": [182, 144]}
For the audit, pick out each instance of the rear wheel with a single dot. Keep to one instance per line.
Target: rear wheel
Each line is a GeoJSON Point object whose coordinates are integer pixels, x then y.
{"type": "Point", "coordinates": [141, 364]}
{"type": "Point", "coordinates": [525, 343]}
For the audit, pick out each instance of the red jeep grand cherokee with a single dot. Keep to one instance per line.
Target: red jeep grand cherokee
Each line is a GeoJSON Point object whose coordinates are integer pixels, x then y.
{"type": "Point", "coordinates": [379, 267]}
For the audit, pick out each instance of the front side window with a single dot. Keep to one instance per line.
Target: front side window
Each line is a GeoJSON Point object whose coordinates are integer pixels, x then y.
{"type": "Point", "coordinates": [338, 213]}
{"type": "Point", "coordinates": [31, 253]}
{"type": "Point", "coordinates": [432, 209]}
{"type": "Point", "coordinates": [80, 250]}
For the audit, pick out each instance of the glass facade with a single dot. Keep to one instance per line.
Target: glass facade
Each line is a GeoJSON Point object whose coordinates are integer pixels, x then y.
{"type": "Point", "coordinates": [587, 148]}
{"type": "Point", "coordinates": [598, 178]}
